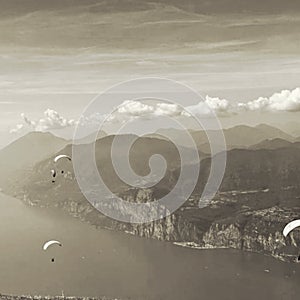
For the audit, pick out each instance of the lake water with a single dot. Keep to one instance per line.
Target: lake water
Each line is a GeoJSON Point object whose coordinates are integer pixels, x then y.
{"type": "Point", "coordinates": [96, 262]}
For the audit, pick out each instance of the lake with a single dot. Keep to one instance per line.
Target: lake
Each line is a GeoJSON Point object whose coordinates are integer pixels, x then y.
{"type": "Point", "coordinates": [95, 262]}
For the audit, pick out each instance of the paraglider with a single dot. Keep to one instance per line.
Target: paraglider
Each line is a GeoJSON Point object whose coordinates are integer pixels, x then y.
{"type": "Point", "coordinates": [58, 157]}
{"type": "Point", "coordinates": [290, 226]}
{"type": "Point", "coordinates": [50, 243]}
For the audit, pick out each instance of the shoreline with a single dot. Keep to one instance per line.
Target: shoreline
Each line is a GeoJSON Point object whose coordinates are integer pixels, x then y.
{"type": "Point", "coordinates": [184, 244]}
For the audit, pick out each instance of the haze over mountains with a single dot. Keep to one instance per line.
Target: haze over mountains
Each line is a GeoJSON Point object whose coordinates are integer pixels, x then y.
{"type": "Point", "coordinates": [240, 136]}
{"type": "Point", "coordinates": [29, 149]}
{"type": "Point", "coordinates": [241, 57]}
{"type": "Point", "coordinates": [260, 187]}
{"type": "Point", "coordinates": [275, 143]}
{"type": "Point", "coordinates": [37, 146]}
{"type": "Point", "coordinates": [22, 154]}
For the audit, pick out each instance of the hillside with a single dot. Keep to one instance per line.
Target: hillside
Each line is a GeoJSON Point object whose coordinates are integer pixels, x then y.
{"type": "Point", "coordinates": [140, 153]}
{"type": "Point", "coordinates": [258, 196]}
{"type": "Point", "coordinates": [272, 144]}
{"type": "Point", "coordinates": [240, 136]}
{"type": "Point", "coordinates": [21, 155]}
{"type": "Point", "coordinates": [29, 149]}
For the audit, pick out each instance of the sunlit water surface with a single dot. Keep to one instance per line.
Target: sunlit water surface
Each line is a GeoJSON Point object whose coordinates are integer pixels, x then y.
{"type": "Point", "coordinates": [95, 262]}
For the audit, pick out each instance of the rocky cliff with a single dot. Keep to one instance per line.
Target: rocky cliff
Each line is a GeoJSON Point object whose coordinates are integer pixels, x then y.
{"type": "Point", "coordinates": [222, 224]}
{"type": "Point", "coordinates": [258, 197]}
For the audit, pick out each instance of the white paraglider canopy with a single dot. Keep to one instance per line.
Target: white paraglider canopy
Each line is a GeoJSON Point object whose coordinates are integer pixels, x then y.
{"type": "Point", "coordinates": [290, 226]}
{"type": "Point", "coordinates": [58, 157]}
{"type": "Point", "coordinates": [50, 243]}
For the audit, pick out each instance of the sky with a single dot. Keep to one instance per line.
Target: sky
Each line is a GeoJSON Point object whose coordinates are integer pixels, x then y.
{"type": "Point", "coordinates": [57, 55]}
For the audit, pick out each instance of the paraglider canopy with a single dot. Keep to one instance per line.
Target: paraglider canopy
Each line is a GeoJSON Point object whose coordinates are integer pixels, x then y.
{"type": "Point", "coordinates": [290, 226]}
{"type": "Point", "coordinates": [58, 157]}
{"type": "Point", "coordinates": [50, 243]}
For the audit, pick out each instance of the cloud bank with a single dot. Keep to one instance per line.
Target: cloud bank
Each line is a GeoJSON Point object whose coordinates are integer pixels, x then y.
{"type": "Point", "coordinates": [284, 101]}
{"type": "Point", "coordinates": [51, 120]}
{"type": "Point", "coordinates": [131, 108]}
{"type": "Point", "coordinates": [220, 107]}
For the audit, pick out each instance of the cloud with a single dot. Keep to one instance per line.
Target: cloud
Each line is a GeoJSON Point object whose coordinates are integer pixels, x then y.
{"type": "Point", "coordinates": [285, 100]}
{"type": "Point", "coordinates": [168, 109]}
{"type": "Point", "coordinates": [17, 129]}
{"type": "Point", "coordinates": [220, 107]}
{"type": "Point", "coordinates": [51, 120]}
{"type": "Point", "coordinates": [131, 109]}
{"type": "Point", "coordinates": [288, 101]}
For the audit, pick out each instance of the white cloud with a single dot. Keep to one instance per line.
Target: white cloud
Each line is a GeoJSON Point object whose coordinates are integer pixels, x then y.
{"type": "Point", "coordinates": [17, 129]}
{"type": "Point", "coordinates": [219, 106]}
{"type": "Point", "coordinates": [131, 109]}
{"type": "Point", "coordinates": [167, 109]}
{"type": "Point", "coordinates": [135, 109]}
{"type": "Point", "coordinates": [51, 120]}
{"type": "Point", "coordinates": [286, 100]}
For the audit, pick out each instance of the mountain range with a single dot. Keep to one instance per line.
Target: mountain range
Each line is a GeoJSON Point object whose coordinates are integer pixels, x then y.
{"type": "Point", "coordinates": [257, 197]}
{"type": "Point", "coordinates": [275, 143]}
{"type": "Point", "coordinates": [240, 136]}
{"type": "Point", "coordinates": [20, 156]}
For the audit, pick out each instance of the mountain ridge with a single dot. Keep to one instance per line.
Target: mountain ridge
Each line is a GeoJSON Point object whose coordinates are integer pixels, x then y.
{"type": "Point", "coordinates": [259, 193]}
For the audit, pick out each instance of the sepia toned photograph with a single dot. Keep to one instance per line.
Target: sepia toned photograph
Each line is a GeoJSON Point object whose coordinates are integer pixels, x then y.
{"type": "Point", "coordinates": [149, 149]}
